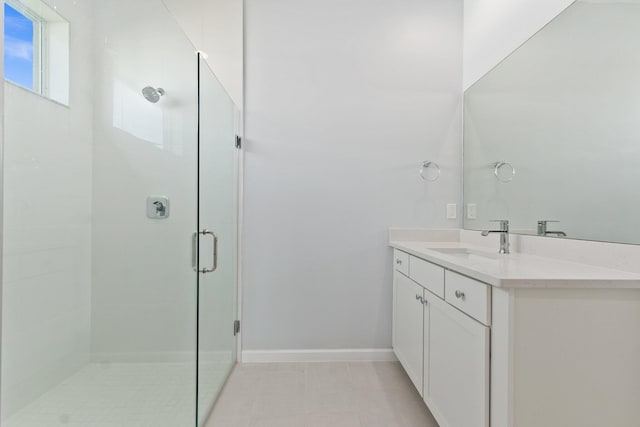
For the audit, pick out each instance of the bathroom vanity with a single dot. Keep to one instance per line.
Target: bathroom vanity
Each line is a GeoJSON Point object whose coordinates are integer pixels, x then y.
{"type": "Point", "coordinates": [549, 335]}
{"type": "Point", "coordinates": [516, 340]}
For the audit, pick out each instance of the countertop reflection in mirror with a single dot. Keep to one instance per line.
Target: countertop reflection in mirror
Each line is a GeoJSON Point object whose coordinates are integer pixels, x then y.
{"type": "Point", "coordinates": [564, 108]}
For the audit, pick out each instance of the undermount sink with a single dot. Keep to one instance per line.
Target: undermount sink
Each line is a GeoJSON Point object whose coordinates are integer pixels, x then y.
{"type": "Point", "coordinates": [466, 253]}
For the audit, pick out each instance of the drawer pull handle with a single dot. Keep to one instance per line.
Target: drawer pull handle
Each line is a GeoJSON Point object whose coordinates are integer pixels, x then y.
{"type": "Point", "coordinates": [460, 295]}
{"type": "Point", "coordinates": [399, 261]}
{"type": "Point", "coordinates": [419, 298]}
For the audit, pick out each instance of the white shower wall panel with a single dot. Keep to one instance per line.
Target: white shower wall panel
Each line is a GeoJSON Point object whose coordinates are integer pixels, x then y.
{"type": "Point", "coordinates": [144, 289]}
{"type": "Point", "coordinates": [47, 227]}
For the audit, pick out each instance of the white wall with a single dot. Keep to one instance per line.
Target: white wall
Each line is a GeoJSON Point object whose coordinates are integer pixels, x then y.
{"type": "Point", "coordinates": [216, 28]}
{"type": "Point", "coordinates": [47, 233]}
{"type": "Point", "coordinates": [144, 288]}
{"type": "Point", "coordinates": [495, 28]}
{"type": "Point", "coordinates": [344, 100]}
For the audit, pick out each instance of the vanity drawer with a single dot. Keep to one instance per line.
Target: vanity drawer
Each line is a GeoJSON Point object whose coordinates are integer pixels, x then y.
{"type": "Point", "coordinates": [428, 275]}
{"type": "Point", "coordinates": [470, 296]}
{"type": "Point", "coordinates": [401, 262]}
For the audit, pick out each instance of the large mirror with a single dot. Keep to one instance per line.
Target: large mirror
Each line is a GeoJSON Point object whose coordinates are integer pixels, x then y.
{"type": "Point", "coordinates": [553, 132]}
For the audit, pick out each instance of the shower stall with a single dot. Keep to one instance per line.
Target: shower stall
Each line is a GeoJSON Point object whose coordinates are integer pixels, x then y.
{"type": "Point", "coordinates": [120, 208]}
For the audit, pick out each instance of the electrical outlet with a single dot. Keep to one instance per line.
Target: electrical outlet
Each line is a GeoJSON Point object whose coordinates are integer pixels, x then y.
{"type": "Point", "coordinates": [452, 211]}
{"type": "Point", "coordinates": [472, 211]}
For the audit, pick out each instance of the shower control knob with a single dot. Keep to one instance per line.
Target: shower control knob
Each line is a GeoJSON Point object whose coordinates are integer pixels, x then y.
{"type": "Point", "coordinates": [158, 207]}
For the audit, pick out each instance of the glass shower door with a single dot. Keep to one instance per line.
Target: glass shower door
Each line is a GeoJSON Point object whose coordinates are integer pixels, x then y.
{"type": "Point", "coordinates": [217, 260]}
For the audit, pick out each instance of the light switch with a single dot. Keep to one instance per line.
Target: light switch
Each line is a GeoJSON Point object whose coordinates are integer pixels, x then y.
{"type": "Point", "coordinates": [472, 211]}
{"type": "Point", "coordinates": [452, 211]}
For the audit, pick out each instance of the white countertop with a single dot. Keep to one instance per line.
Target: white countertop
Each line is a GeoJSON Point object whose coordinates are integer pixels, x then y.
{"type": "Point", "coordinates": [518, 270]}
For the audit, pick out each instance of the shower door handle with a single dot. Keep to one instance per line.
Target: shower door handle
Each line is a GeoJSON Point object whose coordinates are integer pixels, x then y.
{"type": "Point", "coordinates": [194, 251]}
{"type": "Point", "coordinates": [215, 251]}
{"type": "Point", "coordinates": [194, 259]}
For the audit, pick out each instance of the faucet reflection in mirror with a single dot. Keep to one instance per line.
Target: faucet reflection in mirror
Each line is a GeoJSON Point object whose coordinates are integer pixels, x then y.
{"type": "Point", "coordinates": [543, 231]}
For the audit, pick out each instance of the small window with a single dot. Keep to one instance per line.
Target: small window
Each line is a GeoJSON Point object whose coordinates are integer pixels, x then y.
{"type": "Point", "coordinates": [36, 48]}
{"type": "Point", "coordinates": [19, 37]}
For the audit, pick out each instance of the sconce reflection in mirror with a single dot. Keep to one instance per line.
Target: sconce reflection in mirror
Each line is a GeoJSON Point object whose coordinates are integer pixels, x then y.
{"type": "Point", "coordinates": [430, 171]}
{"type": "Point", "coordinates": [504, 171]}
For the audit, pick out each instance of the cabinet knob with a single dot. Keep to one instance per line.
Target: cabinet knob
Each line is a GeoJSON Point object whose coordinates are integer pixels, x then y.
{"type": "Point", "coordinates": [459, 294]}
{"type": "Point", "coordinates": [399, 261]}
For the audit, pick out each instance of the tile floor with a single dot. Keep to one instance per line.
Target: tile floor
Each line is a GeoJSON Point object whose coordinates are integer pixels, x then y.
{"type": "Point", "coordinates": [320, 395]}
{"type": "Point", "coordinates": [278, 395]}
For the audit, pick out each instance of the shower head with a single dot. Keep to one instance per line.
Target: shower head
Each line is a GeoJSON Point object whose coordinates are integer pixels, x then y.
{"type": "Point", "coordinates": [152, 94]}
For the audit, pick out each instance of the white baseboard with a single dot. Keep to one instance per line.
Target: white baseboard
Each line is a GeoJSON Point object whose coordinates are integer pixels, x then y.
{"type": "Point", "coordinates": [162, 357]}
{"type": "Point", "coordinates": [344, 355]}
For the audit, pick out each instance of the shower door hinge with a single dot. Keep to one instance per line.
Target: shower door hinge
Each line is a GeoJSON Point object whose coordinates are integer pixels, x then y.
{"type": "Point", "coordinates": [238, 142]}
{"type": "Point", "coordinates": [236, 328]}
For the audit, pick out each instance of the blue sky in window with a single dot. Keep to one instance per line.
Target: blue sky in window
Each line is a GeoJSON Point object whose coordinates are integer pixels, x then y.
{"type": "Point", "coordinates": [18, 47]}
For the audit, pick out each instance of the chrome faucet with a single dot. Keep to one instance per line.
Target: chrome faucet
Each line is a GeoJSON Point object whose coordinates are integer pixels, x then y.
{"type": "Point", "coordinates": [543, 231]}
{"type": "Point", "coordinates": [504, 235]}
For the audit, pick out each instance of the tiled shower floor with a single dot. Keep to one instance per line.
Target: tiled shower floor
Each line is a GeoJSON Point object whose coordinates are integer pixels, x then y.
{"type": "Point", "coordinates": [122, 395]}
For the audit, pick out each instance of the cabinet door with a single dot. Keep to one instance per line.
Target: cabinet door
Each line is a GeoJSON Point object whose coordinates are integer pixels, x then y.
{"type": "Point", "coordinates": [407, 327]}
{"type": "Point", "coordinates": [457, 391]}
